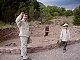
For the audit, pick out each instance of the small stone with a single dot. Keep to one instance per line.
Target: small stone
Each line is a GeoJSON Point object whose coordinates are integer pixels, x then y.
{"type": "Point", "coordinates": [18, 51]}
{"type": "Point", "coordinates": [13, 51]}
{"type": "Point", "coordinates": [2, 50]}
{"type": "Point", "coordinates": [8, 51]}
{"type": "Point", "coordinates": [30, 50]}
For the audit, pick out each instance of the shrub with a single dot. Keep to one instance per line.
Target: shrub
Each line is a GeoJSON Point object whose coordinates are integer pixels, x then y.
{"type": "Point", "coordinates": [76, 20]}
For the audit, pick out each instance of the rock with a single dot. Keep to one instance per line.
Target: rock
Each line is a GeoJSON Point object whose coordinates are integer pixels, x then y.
{"type": "Point", "coordinates": [8, 51]}
{"type": "Point", "coordinates": [2, 50]}
{"type": "Point", "coordinates": [13, 51]}
{"type": "Point", "coordinates": [18, 51]}
{"type": "Point", "coordinates": [30, 50]}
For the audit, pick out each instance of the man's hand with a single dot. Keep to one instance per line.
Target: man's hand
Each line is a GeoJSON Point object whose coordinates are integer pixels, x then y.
{"type": "Point", "coordinates": [22, 13]}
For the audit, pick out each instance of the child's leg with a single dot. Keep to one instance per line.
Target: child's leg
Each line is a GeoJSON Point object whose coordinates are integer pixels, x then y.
{"type": "Point", "coordinates": [65, 45]}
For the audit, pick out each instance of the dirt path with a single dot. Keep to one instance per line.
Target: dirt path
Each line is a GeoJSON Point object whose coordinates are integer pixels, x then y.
{"type": "Point", "coordinates": [72, 53]}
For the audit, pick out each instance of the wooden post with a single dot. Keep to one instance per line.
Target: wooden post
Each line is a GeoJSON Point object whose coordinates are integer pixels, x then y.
{"type": "Point", "coordinates": [46, 30]}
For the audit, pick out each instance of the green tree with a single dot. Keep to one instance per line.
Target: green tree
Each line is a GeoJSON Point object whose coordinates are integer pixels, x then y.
{"type": "Point", "coordinates": [34, 13]}
{"type": "Point", "coordinates": [46, 10]}
{"type": "Point", "coordinates": [31, 13]}
{"type": "Point", "coordinates": [52, 9]}
{"type": "Point", "coordinates": [8, 9]}
{"type": "Point", "coordinates": [56, 14]}
{"type": "Point", "coordinates": [76, 20]}
{"type": "Point", "coordinates": [8, 15]}
{"type": "Point", "coordinates": [68, 13]}
{"type": "Point", "coordinates": [46, 15]}
{"type": "Point", "coordinates": [61, 11]}
{"type": "Point", "coordinates": [22, 7]}
{"type": "Point", "coordinates": [14, 7]}
{"type": "Point", "coordinates": [36, 5]}
{"type": "Point", "coordinates": [31, 7]}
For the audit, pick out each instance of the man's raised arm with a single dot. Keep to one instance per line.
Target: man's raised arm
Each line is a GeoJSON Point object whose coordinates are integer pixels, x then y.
{"type": "Point", "coordinates": [18, 19]}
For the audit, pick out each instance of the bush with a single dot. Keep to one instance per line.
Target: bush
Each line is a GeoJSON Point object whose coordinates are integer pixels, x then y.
{"type": "Point", "coordinates": [68, 13]}
{"type": "Point", "coordinates": [76, 20]}
{"type": "Point", "coordinates": [56, 14]}
{"type": "Point", "coordinates": [47, 20]}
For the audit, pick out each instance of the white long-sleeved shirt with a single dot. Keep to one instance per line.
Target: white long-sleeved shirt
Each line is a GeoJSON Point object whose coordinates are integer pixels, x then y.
{"type": "Point", "coordinates": [23, 26]}
{"type": "Point", "coordinates": [65, 35]}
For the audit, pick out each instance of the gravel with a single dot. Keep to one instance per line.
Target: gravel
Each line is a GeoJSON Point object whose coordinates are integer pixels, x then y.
{"type": "Point", "coordinates": [72, 53]}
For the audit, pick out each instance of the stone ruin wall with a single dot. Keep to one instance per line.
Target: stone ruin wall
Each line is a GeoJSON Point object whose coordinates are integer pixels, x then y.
{"type": "Point", "coordinates": [38, 31]}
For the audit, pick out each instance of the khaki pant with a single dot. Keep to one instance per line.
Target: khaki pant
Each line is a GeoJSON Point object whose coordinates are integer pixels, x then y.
{"type": "Point", "coordinates": [24, 47]}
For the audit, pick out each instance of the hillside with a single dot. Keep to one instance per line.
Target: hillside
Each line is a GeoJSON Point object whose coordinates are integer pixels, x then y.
{"type": "Point", "coordinates": [41, 4]}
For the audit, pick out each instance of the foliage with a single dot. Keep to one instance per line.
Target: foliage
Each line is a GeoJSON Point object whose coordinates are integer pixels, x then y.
{"type": "Point", "coordinates": [33, 13]}
{"type": "Point", "coordinates": [68, 13]}
{"type": "Point", "coordinates": [22, 7]}
{"type": "Point", "coordinates": [56, 11]}
{"type": "Point", "coordinates": [76, 20]}
{"type": "Point", "coordinates": [56, 14]}
{"type": "Point", "coordinates": [10, 9]}
{"type": "Point", "coordinates": [8, 15]}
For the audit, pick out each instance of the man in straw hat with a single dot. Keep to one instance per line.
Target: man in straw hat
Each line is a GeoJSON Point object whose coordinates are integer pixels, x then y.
{"type": "Point", "coordinates": [64, 37]}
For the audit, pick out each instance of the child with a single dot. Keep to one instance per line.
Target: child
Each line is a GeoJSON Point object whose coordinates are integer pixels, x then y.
{"type": "Point", "coordinates": [64, 37]}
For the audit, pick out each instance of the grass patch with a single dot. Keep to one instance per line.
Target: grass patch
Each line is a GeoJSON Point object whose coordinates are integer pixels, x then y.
{"type": "Point", "coordinates": [58, 20]}
{"type": "Point", "coordinates": [3, 25]}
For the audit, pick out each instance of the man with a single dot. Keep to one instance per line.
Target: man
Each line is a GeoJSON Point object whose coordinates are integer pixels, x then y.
{"type": "Point", "coordinates": [23, 26]}
{"type": "Point", "coordinates": [64, 37]}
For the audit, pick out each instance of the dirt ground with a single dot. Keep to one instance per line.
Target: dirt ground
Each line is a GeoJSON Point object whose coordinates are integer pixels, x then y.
{"type": "Point", "coordinates": [38, 39]}
{"type": "Point", "coordinates": [72, 53]}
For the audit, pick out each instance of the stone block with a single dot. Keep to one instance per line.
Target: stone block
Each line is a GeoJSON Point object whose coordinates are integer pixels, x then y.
{"type": "Point", "coordinates": [2, 50]}
{"type": "Point", "coordinates": [13, 51]}
{"type": "Point", "coordinates": [18, 51]}
{"type": "Point", "coordinates": [8, 51]}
